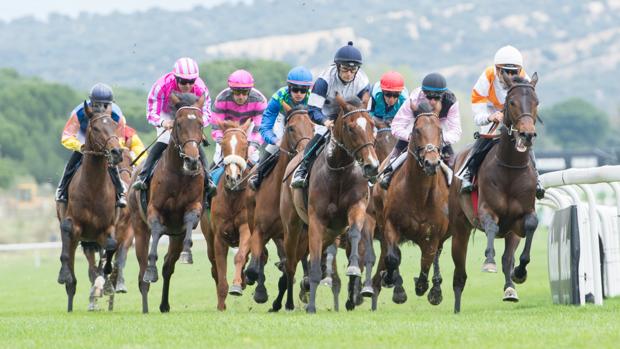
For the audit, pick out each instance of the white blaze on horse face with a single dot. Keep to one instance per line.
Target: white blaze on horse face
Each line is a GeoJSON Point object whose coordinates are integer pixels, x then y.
{"type": "Point", "coordinates": [233, 145]}
{"type": "Point", "coordinates": [362, 122]}
{"type": "Point", "coordinates": [191, 117]}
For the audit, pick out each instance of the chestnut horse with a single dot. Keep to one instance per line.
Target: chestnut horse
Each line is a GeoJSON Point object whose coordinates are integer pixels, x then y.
{"type": "Point", "coordinates": [507, 187]}
{"type": "Point", "coordinates": [415, 208]}
{"type": "Point", "coordinates": [175, 197]}
{"type": "Point", "coordinates": [338, 190]}
{"type": "Point", "coordinates": [90, 215]}
{"type": "Point", "coordinates": [228, 225]}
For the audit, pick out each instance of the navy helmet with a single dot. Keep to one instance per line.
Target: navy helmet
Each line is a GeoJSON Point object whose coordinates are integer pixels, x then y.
{"type": "Point", "coordinates": [348, 55]}
{"type": "Point", "coordinates": [101, 93]}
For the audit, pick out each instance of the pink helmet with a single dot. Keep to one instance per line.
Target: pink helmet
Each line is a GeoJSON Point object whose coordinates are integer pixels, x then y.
{"type": "Point", "coordinates": [185, 68]}
{"type": "Point", "coordinates": [240, 79]}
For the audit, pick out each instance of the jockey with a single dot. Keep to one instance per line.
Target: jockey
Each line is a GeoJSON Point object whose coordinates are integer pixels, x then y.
{"type": "Point", "coordinates": [295, 94]}
{"type": "Point", "coordinates": [134, 144]}
{"type": "Point", "coordinates": [487, 98]}
{"type": "Point", "coordinates": [435, 92]}
{"type": "Point", "coordinates": [344, 77]}
{"type": "Point", "coordinates": [387, 95]}
{"type": "Point", "coordinates": [240, 101]}
{"type": "Point", "coordinates": [73, 138]}
{"type": "Point", "coordinates": [183, 79]}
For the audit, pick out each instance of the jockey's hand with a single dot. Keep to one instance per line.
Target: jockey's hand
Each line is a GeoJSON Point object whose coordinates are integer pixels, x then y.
{"type": "Point", "coordinates": [498, 116]}
{"type": "Point", "coordinates": [167, 124]}
{"type": "Point", "coordinates": [82, 148]}
{"type": "Point", "coordinates": [328, 123]}
{"type": "Point", "coordinates": [278, 142]}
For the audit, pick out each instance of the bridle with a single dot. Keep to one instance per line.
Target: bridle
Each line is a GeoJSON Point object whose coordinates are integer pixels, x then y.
{"type": "Point", "coordinates": [102, 147]}
{"type": "Point", "coordinates": [352, 153]}
{"type": "Point", "coordinates": [175, 137]}
{"type": "Point", "coordinates": [292, 151]}
{"type": "Point", "coordinates": [421, 151]}
{"type": "Point", "coordinates": [513, 131]}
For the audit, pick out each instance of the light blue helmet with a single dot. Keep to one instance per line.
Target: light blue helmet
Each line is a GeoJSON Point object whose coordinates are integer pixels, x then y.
{"type": "Point", "coordinates": [299, 76]}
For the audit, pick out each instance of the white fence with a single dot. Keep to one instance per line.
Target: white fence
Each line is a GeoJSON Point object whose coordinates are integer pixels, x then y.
{"type": "Point", "coordinates": [584, 234]}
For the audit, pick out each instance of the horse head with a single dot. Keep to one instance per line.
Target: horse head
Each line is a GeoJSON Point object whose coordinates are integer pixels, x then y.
{"type": "Point", "coordinates": [425, 139]}
{"type": "Point", "coordinates": [186, 133]}
{"type": "Point", "coordinates": [101, 135]}
{"type": "Point", "coordinates": [298, 128]}
{"type": "Point", "coordinates": [234, 150]}
{"type": "Point", "coordinates": [354, 132]}
{"type": "Point", "coordinates": [521, 111]}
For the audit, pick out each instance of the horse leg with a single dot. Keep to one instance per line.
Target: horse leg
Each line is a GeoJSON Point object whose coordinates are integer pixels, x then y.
{"type": "Point", "coordinates": [336, 285]}
{"type": "Point", "coordinates": [89, 253]}
{"type": "Point", "coordinates": [190, 221]}
{"type": "Point", "coordinates": [357, 217]}
{"type": "Point", "coordinates": [257, 245]}
{"type": "Point", "coordinates": [281, 254]}
{"type": "Point", "coordinates": [429, 249]}
{"type": "Point", "coordinates": [70, 287]}
{"type": "Point", "coordinates": [491, 228]}
{"type": "Point", "coordinates": [434, 296]}
{"type": "Point", "coordinates": [110, 247]}
{"type": "Point", "coordinates": [174, 251]}
{"type": "Point", "coordinates": [120, 261]}
{"type": "Point", "coordinates": [66, 235]}
{"type": "Point", "coordinates": [315, 246]}
{"type": "Point", "coordinates": [211, 253]}
{"type": "Point", "coordinates": [221, 252]}
{"type": "Point", "coordinates": [392, 263]}
{"type": "Point", "coordinates": [508, 261]}
{"type": "Point", "coordinates": [282, 287]}
{"type": "Point", "coordinates": [530, 223]}
{"type": "Point", "coordinates": [330, 256]}
{"type": "Point", "coordinates": [377, 279]}
{"type": "Point", "coordinates": [157, 230]}
{"type": "Point", "coordinates": [240, 260]}
{"type": "Point", "coordinates": [369, 259]}
{"type": "Point", "coordinates": [260, 293]}
{"type": "Point", "coordinates": [460, 238]}
{"type": "Point", "coordinates": [142, 241]}
{"type": "Point", "coordinates": [304, 284]}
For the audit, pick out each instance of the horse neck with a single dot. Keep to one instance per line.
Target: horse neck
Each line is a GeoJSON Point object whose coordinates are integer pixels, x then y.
{"type": "Point", "coordinates": [94, 165]}
{"type": "Point", "coordinates": [172, 157]}
{"type": "Point", "coordinates": [507, 154]}
{"type": "Point", "coordinates": [338, 157]}
{"type": "Point", "coordinates": [417, 183]}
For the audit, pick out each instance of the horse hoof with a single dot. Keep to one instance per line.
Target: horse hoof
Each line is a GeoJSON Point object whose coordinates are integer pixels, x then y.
{"type": "Point", "coordinates": [186, 258]}
{"type": "Point", "coordinates": [367, 291]}
{"type": "Point", "coordinates": [385, 283]}
{"type": "Point", "coordinates": [399, 296]}
{"type": "Point", "coordinates": [235, 290]}
{"type": "Point", "coordinates": [420, 287]}
{"type": "Point", "coordinates": [150, 275]}
{"type": "Point", "coordinates": [108, 288]}
{"type": "Point", "coordinates": [510, 295]}
{"type": "Point", "coordinates": [92, 307]}
{"type": "Point", "coordinates": [64, 276]}
{"type": "Point", "coordinates": [519, 279]}
{"type": "Point", "coordinates": [260, 295]}
{"type": "Point", "coordinates": [434, 296]}
{"type": "Point", "coordinates": [489, 268]}
{"type": "Point", "coordinates": [354, 271]}
{"type": "Point", "coordinates": [349, 305]}
{"type": "Point", "coordinates": [327, 281]}
{"type": "Point", "coordinates": [164, 308]}
{"type": "Point", "coordinates": [310, 309]}
{"type": "Point", "coordinates": [303, 296]}
{"type": "Point", "coordinates": [120, 287]}
{"type": "Point", "coordinates": [251, 275]}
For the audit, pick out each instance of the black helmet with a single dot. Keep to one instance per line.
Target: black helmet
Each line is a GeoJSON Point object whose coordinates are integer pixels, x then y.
{"type": "Point", "coordinates": [348, 55]}
{"type": "Point", "coordinates": [102, 93]}
{"type": "Point", "coordinates": [434, 82]}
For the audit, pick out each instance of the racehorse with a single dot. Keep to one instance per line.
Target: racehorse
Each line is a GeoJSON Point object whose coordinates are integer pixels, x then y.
{"type": "Point", "coordinates": [338, 190]}
{"type": "Point", "coordinates": [506, 194]}
{"type": "Point", "coordinates": [228, 225]}
{"type": "Point", "coordinates": [415, 208]}
{"type": "Point", "coordinates": [174, 200]}
{"type": "Point", "coordinates": [90, 215]}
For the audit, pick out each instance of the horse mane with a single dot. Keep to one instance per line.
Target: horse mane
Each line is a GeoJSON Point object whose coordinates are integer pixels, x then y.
{"type": "Point", "coordinates": [185, 100]}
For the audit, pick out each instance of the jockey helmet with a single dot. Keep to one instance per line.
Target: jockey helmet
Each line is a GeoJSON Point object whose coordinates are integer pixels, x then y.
{"type": "Point", "coordinates": [240, 79]}
{"type": "Point", "coordinates": [392, 81]}
{"type": "Point", "coordinates": [185, 68]}
{"type": "Point", "coordinates": [299, 76]}
{"type": "Point", "coordinates": [348, 55]}
{"type": "Point", "coordinates": [102, 93]}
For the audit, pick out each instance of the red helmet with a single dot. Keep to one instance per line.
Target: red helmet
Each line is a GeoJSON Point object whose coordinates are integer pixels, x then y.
{"type": "Point", "coordinates": [392, 81]}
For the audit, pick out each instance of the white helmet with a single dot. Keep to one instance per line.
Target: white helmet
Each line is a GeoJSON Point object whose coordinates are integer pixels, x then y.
{"type": "Point", "coordinates": [508, 55]}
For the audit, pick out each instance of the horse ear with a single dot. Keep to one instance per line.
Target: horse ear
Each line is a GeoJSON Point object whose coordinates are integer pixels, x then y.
{"type": "Point", "coordinates": [174, 99]}
{"type": "Point", "coordinates": [88, 110]}
{"type": "Point", "coordinates": [365, 99]}
{"type": "Point", "coordinates": [341, 102]}
{"type": "Point", "coordinates": [247, 125]}
{"type": "Point", "coordinates": [534, 80]}
{"type": "Point", "coordinates": [507, 79]}
{"type": "Point", "coordinates": [200, 102]}
{"type": "Point", "coordinates": [287, 108]}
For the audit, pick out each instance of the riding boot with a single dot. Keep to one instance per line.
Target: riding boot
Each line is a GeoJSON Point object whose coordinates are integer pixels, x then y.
{"type": "Point", "coordinates": [540, 190]}
{"type": "Point", "coordinates": [395, 163]}
{"type": "Point", "coordinates": [257, 178]}
{"type": "Point", "coordinates": [301, 173]}
{"type": "Point", "coordinates": [141, 182]}
{"type": "Point", "coordinates": [119, 186]}
{"type": "Point", "coordinates": [210, 188]}
{"type": "Point", "coordinates": [63, 186]}
{"type": "Point", "coordinates": [466, 185]}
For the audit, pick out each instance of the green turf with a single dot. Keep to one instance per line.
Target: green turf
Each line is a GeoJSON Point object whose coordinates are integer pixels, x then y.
{"type": "Point", "coordinates": [32, 311]}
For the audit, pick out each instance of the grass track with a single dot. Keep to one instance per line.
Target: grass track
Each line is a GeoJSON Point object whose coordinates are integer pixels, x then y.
{"type": "Point", "coordinates": [32, 311]}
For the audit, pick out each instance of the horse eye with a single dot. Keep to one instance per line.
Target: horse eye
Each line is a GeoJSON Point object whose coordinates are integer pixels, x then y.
{"type": "Point", "coordinates": [512, 103]}
{"type": "Point", "coordinates": [290, 128]}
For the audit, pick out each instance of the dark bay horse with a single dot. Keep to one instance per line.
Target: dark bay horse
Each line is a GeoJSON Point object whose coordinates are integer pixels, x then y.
{"type": "Point", "coordinates": [415, 207]}
{"type": "Point", "coordinates": [175, 197]}
{"type": "Point", "coordinates": [507, 187]}
{"type": "Point", "coordinates": [338, 190]}
{"type": "Point", "coordinates": [384, 139]}
{"type": "Point", "coordinates": [90, 215]}
{"type": "Point", "coordinates": [298, 130]}
{"type": "Point", "coordinates": [228, 224]}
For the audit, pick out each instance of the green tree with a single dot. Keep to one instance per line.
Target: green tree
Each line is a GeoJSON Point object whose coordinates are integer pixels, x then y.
{"type": "Point", "coordinates": [576, 124]}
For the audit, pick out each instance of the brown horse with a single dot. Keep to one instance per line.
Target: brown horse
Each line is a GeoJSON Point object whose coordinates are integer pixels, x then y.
{"type": "Point", "coordinates": [174, 199]}
{"type": "Point", "coordinates": [90, 214]}
{"type": "Point", "coordinates": [507, 186]}
{"type": "Point", "coordinates": [415, 208]}
{"type": "Point", "coordinates": [384, 140]}
{"type": "Point", "coordinates": [228, 225]}
{"type": "Point", "coordinates": [338, 190]}
{"type": "Point", "coordinates": [298, 130]}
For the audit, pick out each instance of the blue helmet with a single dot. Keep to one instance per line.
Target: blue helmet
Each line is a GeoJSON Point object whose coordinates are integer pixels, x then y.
{"type": "Point", "coordinates": [348, 55]}
{"type": "Point", "coordinates": [102, 93]}
{"type": "Point", "coordinates": [299, 76]}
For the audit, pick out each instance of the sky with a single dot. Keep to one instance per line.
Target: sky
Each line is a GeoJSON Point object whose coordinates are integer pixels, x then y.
{"type": "Point", "coordinates": [40, 9]}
